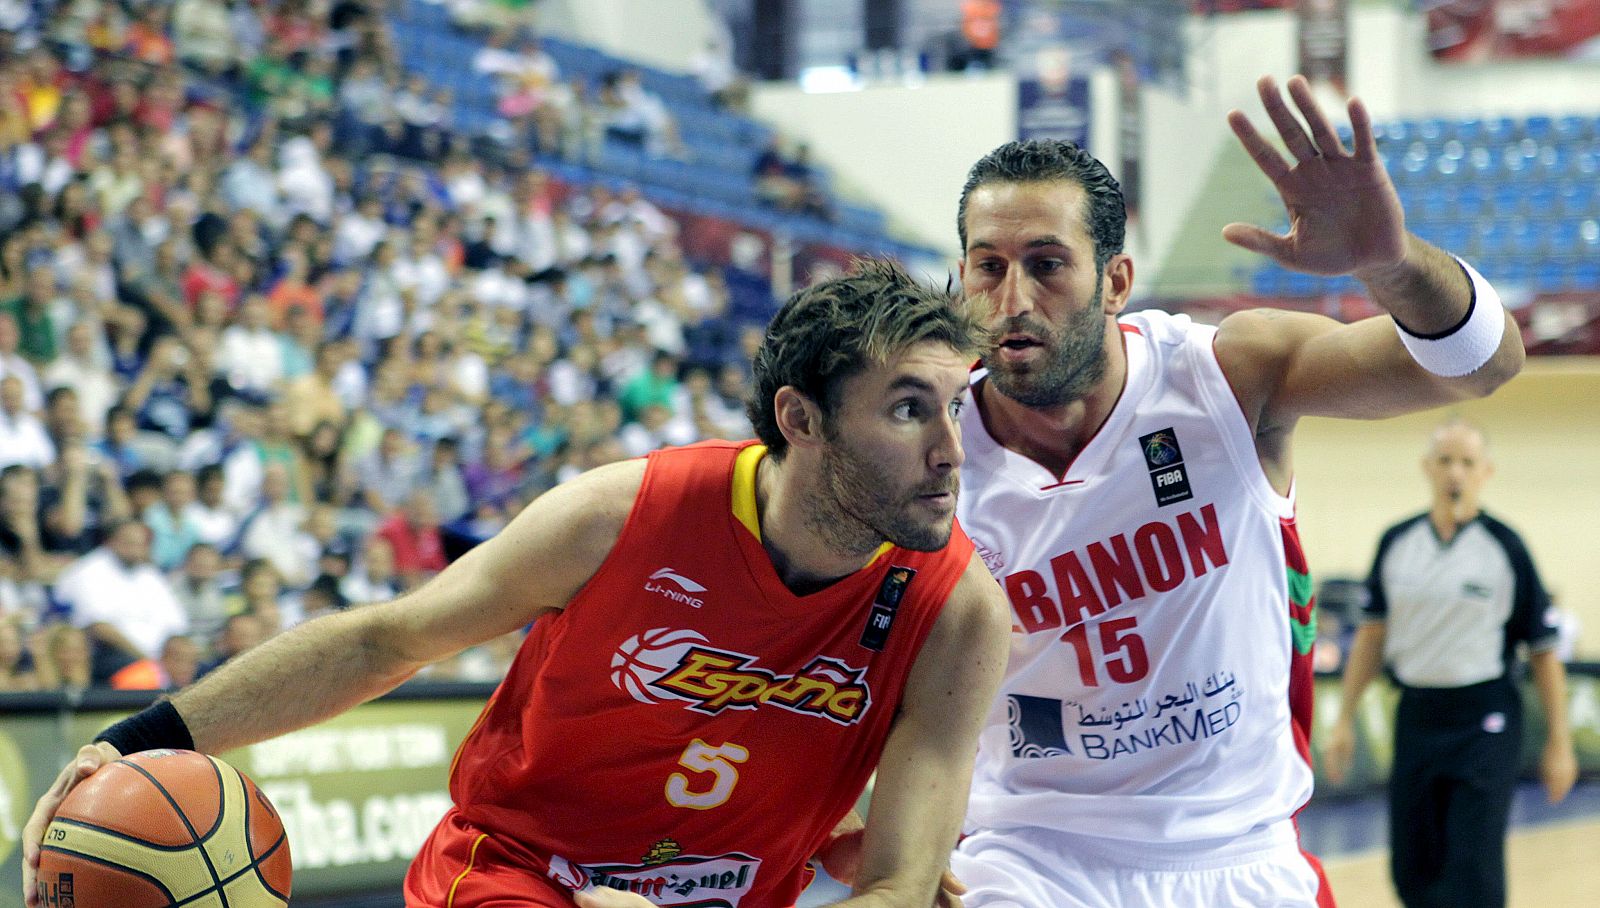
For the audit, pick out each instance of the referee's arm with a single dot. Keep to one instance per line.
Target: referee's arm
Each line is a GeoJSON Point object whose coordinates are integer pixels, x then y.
{"type": "Point", "coordinates": [1533, 623]}
{"type": "Point", "coordinates": [1360, 666]}
{"type": "Point", "coordinates": [1558, 764]}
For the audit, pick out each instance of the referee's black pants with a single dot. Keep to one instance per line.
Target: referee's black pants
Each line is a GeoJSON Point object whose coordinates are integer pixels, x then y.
{"type": "Point", "coordinates": [1455, 764]}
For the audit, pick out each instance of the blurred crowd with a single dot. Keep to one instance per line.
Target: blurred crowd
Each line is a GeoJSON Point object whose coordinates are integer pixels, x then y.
{"type": "Point", "coordinates": [275, 341]}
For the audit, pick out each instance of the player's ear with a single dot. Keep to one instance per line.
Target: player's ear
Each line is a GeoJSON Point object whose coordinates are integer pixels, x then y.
{"type": "Point", "coordinates": [1118, 283]}
{"type": "Point", "coordinates": [799, 417]}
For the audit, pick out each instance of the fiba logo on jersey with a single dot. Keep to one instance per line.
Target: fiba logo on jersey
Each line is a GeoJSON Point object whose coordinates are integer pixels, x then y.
{"type": "Point", "coordinates": [1161, 448]}
{"type": "Point", "coordinates": [645, 657]}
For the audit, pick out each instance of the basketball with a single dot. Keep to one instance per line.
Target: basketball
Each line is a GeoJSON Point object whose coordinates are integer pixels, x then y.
{"type": "Point", "coordinates": [645, 657]}
{"type": "Point", "coordinates": [165, 827]}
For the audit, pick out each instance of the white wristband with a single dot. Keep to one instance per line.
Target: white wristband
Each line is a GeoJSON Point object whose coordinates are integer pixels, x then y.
{"type": "Point", "coordinates": [1467, 347]}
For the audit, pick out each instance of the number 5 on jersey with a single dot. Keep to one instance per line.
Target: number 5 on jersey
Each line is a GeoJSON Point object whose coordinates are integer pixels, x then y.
{"type": "Point", "coordinates": [701, 757]}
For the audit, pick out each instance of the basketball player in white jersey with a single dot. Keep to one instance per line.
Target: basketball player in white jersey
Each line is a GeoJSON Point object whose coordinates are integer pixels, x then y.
{"type": "Point", "coordinates": [1129, 482]}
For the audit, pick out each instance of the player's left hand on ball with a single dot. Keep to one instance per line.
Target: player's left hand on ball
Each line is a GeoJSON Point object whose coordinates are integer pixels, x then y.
{"type": "Point", "coordinates": [89, 760]}
{"type": "Point", "coordinates": [610, 898]}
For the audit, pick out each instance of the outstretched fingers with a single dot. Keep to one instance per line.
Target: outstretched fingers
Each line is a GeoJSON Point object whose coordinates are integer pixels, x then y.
{"type": "Point", "coordinates": [1259, 149]}
{"type": "Point", "coordinates": [1364, 141]}
{"type": "Point", "coordinates": [1289, 129]}
{"type": "Point", "coordinates": [1327, 141]}
{"type": "Point", "coordinates": [1257, 240]}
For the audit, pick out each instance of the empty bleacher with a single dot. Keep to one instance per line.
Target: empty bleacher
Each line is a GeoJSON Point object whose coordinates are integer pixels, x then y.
{"type": "Point", "coordinates": [1518, 197]}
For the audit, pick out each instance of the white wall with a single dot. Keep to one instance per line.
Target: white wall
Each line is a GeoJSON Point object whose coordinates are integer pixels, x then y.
{"type": "Point", "coordinates": [904, 148]}
{"type": "Point", "coordinates": [662, 33]}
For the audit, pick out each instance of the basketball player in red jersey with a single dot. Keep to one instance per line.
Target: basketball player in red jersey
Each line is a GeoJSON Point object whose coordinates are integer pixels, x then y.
{"type": "Point", "coordinates": [727, 639]}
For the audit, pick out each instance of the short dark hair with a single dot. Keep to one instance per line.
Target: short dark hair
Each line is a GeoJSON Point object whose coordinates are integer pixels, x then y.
{"type": "Point", "coordinates": [143, 479]}
{"type": "Point", "coordinates": [832, 330]}
{"type": "Point", "coordinates": [1048, 160]}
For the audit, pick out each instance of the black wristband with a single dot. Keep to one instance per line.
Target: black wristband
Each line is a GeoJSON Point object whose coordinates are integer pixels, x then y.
{"type": "Point", "coordinates": [157, 726]}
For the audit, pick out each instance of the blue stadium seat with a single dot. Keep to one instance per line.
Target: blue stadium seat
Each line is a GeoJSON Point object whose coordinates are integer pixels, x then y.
{"type": "Point", "coordinates": [1573, 129]}
{"type": "Point", "coordinates": [1498, 130]}
{"type": "Point", "coordinates": [1549, 276]}
{"type": "Point", "coordinates": [1506, 199]}
{"type": "Point", "coordinates": [1586, 276]}
{"type": "Point", "coordinates": [1471, 200]}
{"type": "Point", "coordinates": [1434, 203]}
{"type": "Point", "coordinates": [1578, 200]}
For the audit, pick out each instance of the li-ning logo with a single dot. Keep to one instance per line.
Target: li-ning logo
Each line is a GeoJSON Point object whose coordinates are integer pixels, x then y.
{"type": "Point", "coordinates": [684, 585]}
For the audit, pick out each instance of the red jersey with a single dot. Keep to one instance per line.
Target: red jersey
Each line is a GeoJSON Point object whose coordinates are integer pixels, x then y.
{"type": "Point", "coordinates": [688, 728]}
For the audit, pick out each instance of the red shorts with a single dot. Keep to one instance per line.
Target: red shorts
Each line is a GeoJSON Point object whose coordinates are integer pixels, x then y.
{"type": "Point", "coordinates": [462, 867]}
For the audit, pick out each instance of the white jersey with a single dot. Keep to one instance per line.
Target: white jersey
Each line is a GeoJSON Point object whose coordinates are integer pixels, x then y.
{"type": "Point", "coordinates": [1160, 608]}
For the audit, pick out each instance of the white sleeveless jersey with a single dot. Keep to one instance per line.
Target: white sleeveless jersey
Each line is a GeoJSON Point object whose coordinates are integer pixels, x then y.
{"type": "Point", "coordinates": [1160, 609]}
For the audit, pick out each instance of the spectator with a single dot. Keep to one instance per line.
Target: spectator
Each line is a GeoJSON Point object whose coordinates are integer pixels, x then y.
{"type": "Point", "coordinates": [443, 478]}
{"type": "Point", "coordinates": [13, 675]}
{"type": "Point", "coordinates": [32, 313]}
{"type": "Point", "coordinates": [118, 448]}
{"type": "Point", "coordinates": [656, 386]}
{"type": "Point", "coordinates": [388, 475]}
{"type": "Point", "coordinates": [252, 353]}
{"type": "Point", "coordinates": [203, 35]}
{"type": "Point", "coordinates": [23, 439]}
{"type": "Point", "coordinates": [121, 600]}
{"type": "Point", "coordinates": [276, 530]}
{"type": "Point", "coordinates": [242, 631]}
{"type": "Point", "coordinates": [365, 96]}
{"type": "Point", "coordinates": [217, 523]}
{"type": "Point", "coordinates": [173, 528]}
{"type": "Point", "coordinates": [413, 533]}
{"type": "Point", "coordinates": [249, 182]}
{"type": "Point", "coordinates": [174, 390]}
{"type": "Point", "coordinates": [294, 290]}
{"type": "Point", "coordinates": [180, 662]}
{"type": "Point", "coordinates": [199, 590]}
{"type": "Point", "coordinates": [261, 595]}
{"type": "Point", "coordinates": [14, 365]}
{"type": "Point", "coordinates": [85, 494]}
{"type": "Point", "coordinates": [63, 658]}
{"type": "Point", "coordinates": [320, 452]}
{"type": "Point", "coordinates": [82, 368]}
{"type": "Point", "coordinates": [373, 578]}
{"type": "Point", "coordinates": [322, 597]}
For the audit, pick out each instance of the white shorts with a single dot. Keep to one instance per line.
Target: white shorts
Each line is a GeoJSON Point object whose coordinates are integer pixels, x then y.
{"type": "Point", "coordinates": [1041, 868]}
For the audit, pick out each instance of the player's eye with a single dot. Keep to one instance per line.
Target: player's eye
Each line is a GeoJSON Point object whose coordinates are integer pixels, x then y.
{"type": "Point", "coordinates": [906, 409]}
{"type": "Point", "coordinates": [956, 406]}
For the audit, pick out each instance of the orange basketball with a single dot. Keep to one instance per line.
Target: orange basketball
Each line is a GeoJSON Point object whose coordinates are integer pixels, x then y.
{"type": "Point", "coordinates": [161, 828]}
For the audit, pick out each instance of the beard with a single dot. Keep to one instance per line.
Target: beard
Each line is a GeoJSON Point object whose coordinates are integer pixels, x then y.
{"type": "Point", "coordinates": [1074, 359]}
{"type": "Point", "coordinates": [857, 509]}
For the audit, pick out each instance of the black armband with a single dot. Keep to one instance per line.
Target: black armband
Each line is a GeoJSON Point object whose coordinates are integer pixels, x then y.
{"type": "Point", "coordinates": [157, 726]}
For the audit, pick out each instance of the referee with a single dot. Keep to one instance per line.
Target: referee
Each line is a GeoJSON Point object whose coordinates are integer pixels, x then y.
{"type": "Point", "coordinates": [1453, 593]}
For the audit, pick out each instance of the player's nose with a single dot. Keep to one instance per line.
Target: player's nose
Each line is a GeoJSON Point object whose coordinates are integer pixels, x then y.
{"type": "Point", "coordinates": [1011, 296]}
{"type": "Point", "coordinates": [944, 450]}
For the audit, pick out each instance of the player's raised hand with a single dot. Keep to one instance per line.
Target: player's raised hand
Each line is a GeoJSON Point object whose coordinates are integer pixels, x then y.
{"type": "Point", "coordinates": [89, 759]}
{"type": "Point", "coordinates": [1344, 214]}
